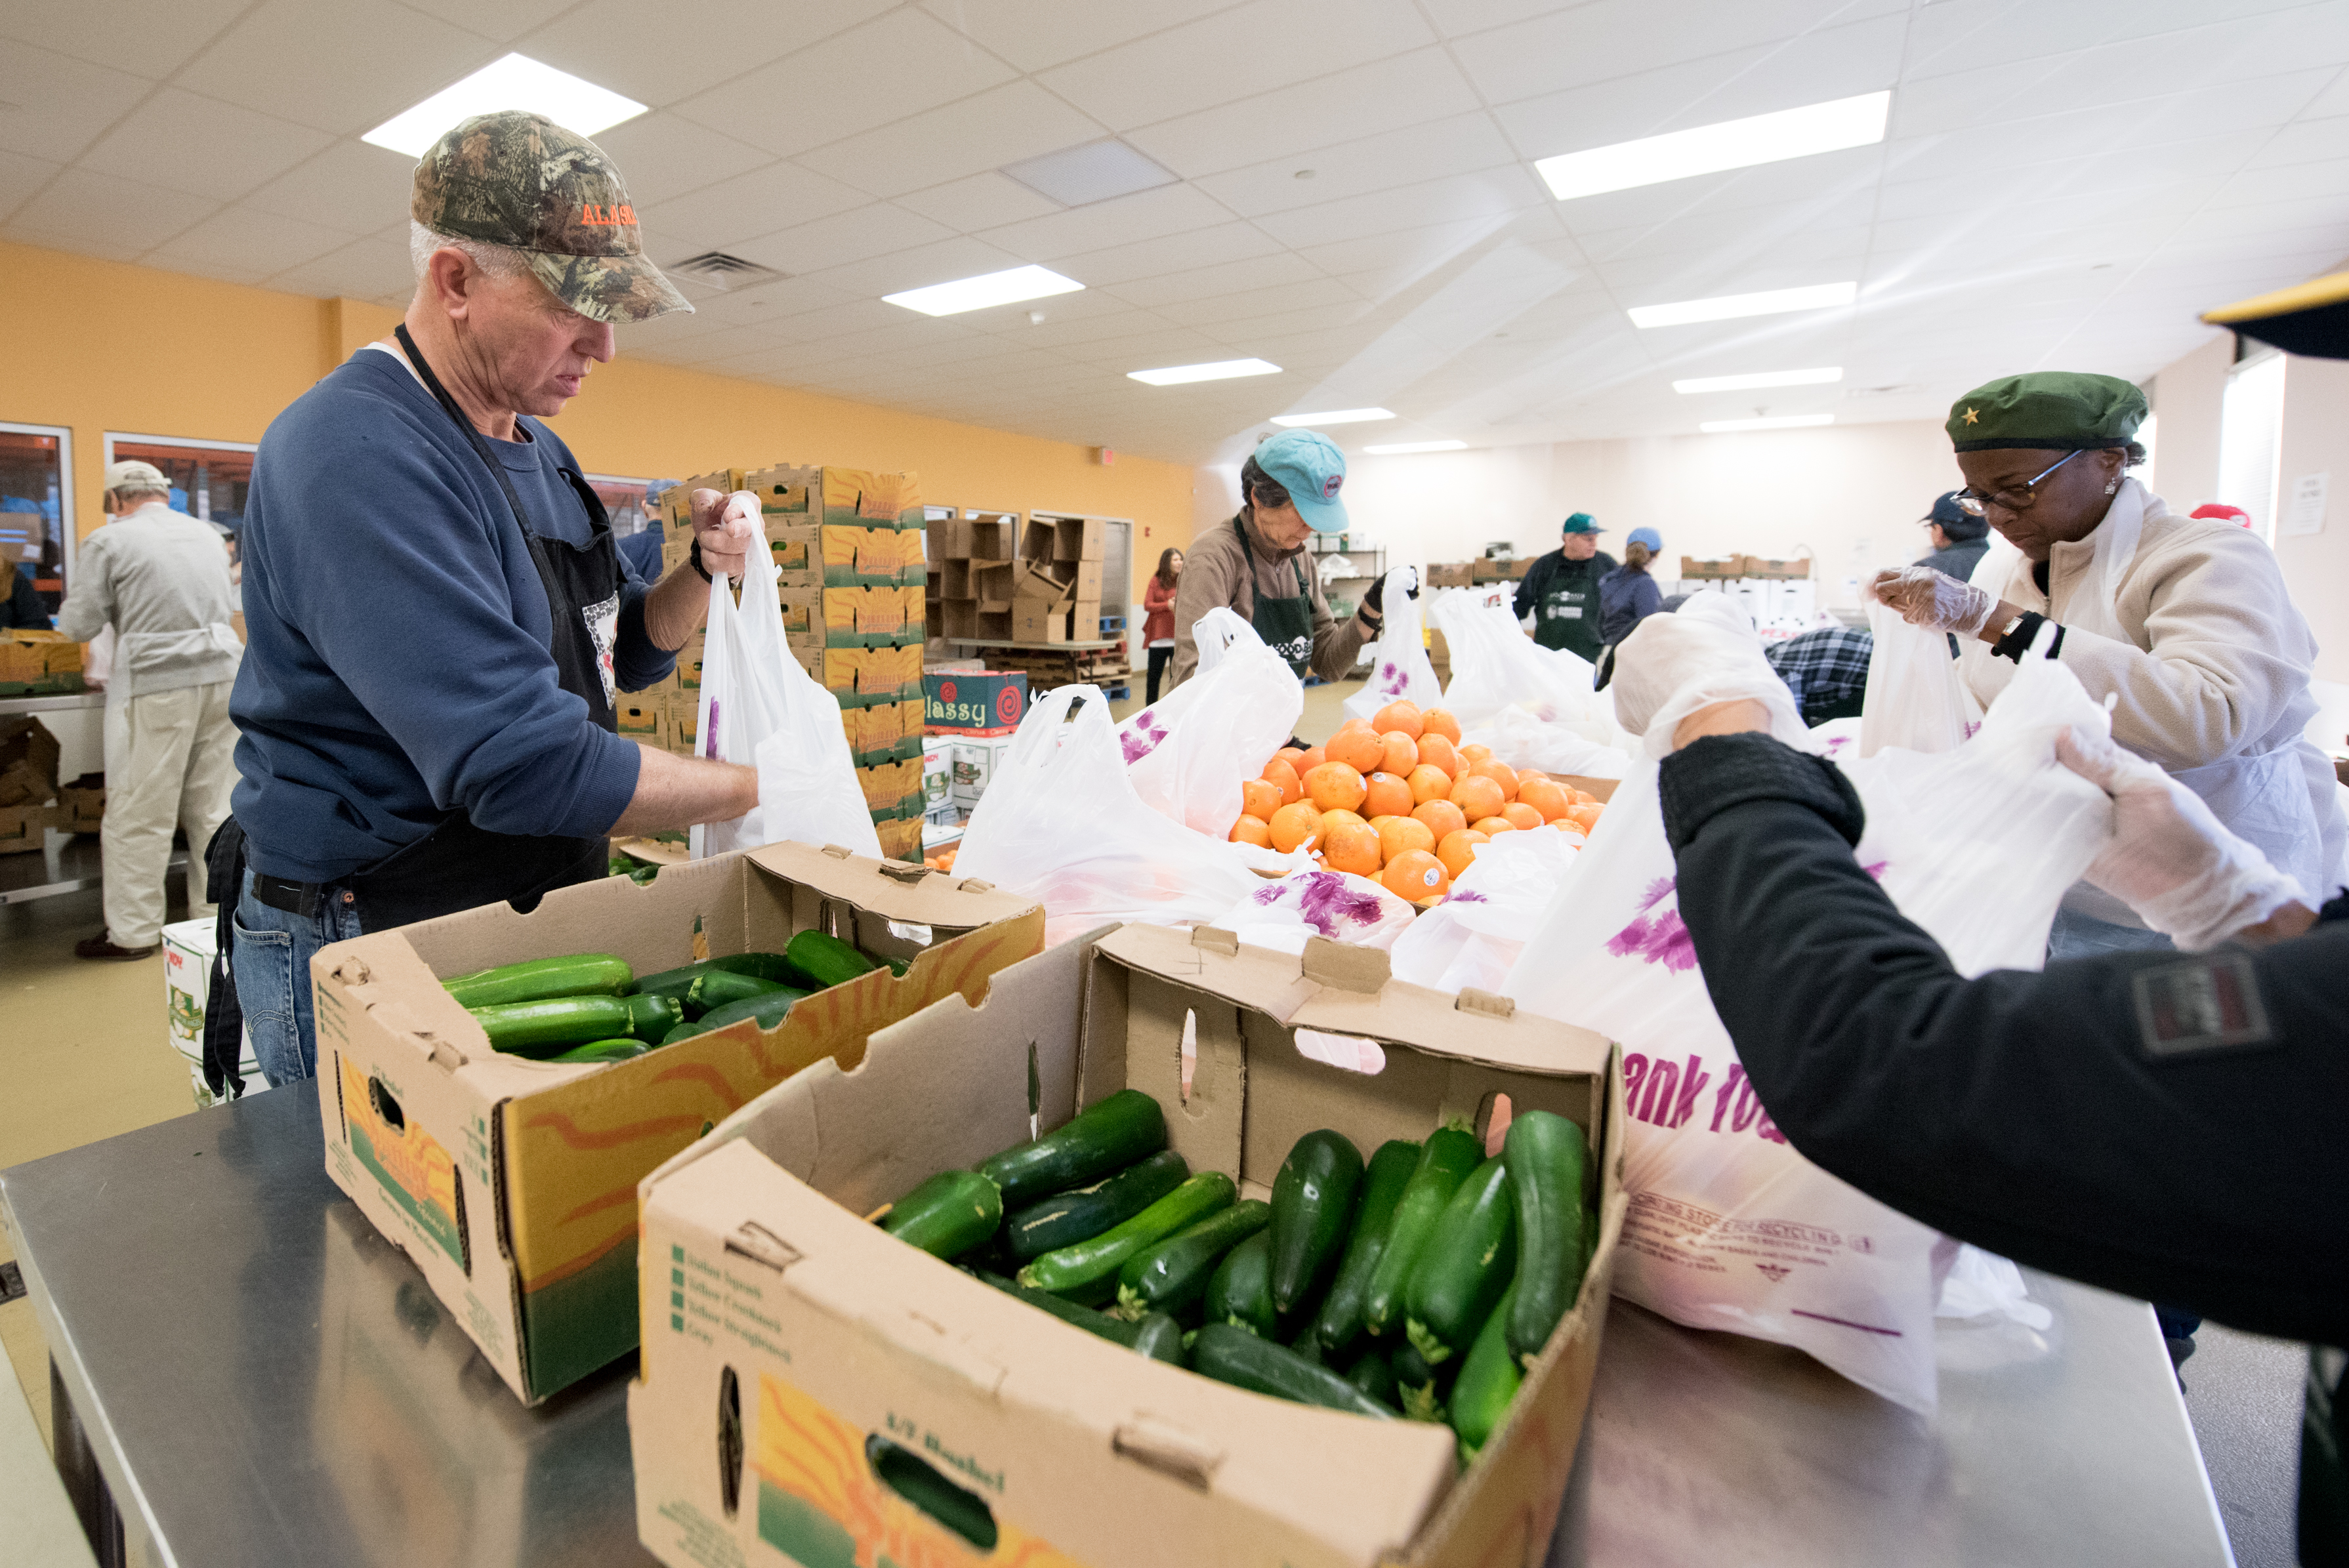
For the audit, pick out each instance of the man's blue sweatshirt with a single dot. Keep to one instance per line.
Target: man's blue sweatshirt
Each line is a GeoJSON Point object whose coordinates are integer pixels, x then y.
{"type": "Point", "coordinates": [398, 659]}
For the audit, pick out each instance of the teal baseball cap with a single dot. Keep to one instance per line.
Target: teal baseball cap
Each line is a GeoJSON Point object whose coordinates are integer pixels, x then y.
{"type": "Point", "coordinates": [1580, 523]}
{"type": "Point", "coordinates": [1310, 468]}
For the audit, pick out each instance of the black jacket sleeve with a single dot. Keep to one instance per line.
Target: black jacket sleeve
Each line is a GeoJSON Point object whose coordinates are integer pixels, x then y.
{"type": "Point", "coordinates": [2167, 1124]}
{"type": "Point", "coordinates": [1531, 586]}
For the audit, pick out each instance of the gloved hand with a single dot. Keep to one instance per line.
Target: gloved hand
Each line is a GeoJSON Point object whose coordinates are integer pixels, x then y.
{"type": "Point", "coordinates": [1705, 653]}
{"type": "Point", "coordinates": [2170, 859]}
{"type": "Point", "coordinates": [1935, 600]}
{"type": "Point", "coordinates": [726, 526]}
{"type": "Point", "coordinates": [1375, 600]}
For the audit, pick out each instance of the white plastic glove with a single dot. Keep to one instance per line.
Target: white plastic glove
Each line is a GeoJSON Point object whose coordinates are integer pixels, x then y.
{"type": "Point", "coordinates": [1706, 652]}
{"type": "Point", "coordinates": [1935, 600]}
{"type": "Point", "coordinates": [726, 526]}
{"type": "Point", "coordinates": [2170, 859]}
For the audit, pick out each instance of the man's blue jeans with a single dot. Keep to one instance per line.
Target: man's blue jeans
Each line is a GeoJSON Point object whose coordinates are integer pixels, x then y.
{"type": "Point", "coordinates": [272, 961]}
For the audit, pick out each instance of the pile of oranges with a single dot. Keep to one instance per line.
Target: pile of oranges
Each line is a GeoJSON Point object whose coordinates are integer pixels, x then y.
{"type": "Point", "coordinates": [1399, 799]}
{"type": "Point", "coordinates": [942, 859]}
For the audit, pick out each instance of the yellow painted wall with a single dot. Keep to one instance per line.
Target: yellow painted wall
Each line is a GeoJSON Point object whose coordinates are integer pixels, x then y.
{"type": "Point", "coordinates": [103, 346]}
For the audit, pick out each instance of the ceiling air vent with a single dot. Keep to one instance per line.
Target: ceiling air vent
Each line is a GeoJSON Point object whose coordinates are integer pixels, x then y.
{"type": "Point", "coordinates": [717, 270]}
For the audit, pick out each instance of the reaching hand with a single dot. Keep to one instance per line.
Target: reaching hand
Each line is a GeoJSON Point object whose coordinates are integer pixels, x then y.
{"type": "Point", "coordinates": [1707, 653]}
{"type": "Point", "coordinates": [1935, 600]}
{"type": "Point", "coordinates": [726, 526]}
{"type": "Point", "coordinates": [2170, 859]}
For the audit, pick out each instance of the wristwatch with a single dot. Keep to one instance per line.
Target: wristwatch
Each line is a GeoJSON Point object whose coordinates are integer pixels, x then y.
{"type": "Point", "coordinates": [2003, 632]}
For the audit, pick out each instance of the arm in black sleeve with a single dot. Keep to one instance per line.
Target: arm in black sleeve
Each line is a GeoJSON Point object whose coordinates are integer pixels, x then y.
{"type": "Point", "coordinates": [1529, 587]}
{"type": "Point", "coordinates": [2167, 1125]}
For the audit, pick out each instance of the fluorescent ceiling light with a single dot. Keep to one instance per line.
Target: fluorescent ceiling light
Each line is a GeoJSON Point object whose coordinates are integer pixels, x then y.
{"type": "Point", "coordinates": [1775, 422]}
{"type": "Point", "coordinates": [1709, 149]}
{"type": "Point", "coordinates": [1395, 449]}
{"type": "Point", "coordinates": [1006, 287]}
{"type": "Point", "coordinates": [1818, 377]}
{"type": "Point", "coordinates": [516, 81]}
{"type": "Point", "coordinates": [1221, 370]}
{"type": "Point", "coordinates": [1727, 307]}
{"type": "Point", "coordinates": [1334, 416]}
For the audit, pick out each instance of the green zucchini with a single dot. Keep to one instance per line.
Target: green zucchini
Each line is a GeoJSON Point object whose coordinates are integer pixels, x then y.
{"type": "Point", "coordinates": [650, 1018]}
{"type": "Point", "coordinates": [1312, 1201]}
{"type": "Point", "coordinates": [602, 1051]}
{"type": "Point", "coordinates": [722, 987]}
{"type": "Point", "coordinates": [1235, 1355]}
{"type": "Point", "coordinates": [538, 979]}
{"type": "Point", "coordinates": [1308, 1345]}
{"type": "Point", "coordinates": [1172, 1274]}
{"type": "Point", "coordinates": [541, 1029]}
{"type": "Point", "coordinates": [1546, 1156]}
{"type": "Point", "coordinates": [946, 1215]}
{"type": "Point", "coordinates": [1240, 1294]}
{"type": "Point", "coordinates": [1451, 1153]}
{"type": "Point", "coordinates": [768, 1007]}
{"type": "Point", "coordinates": [1466, 1266]}
{"type": "Point", "coordinates": [1155, 1334]}
{"type": "Point", "coordinates": [826, 960]}
{"type": "Point", "coordinates": [1373, 1374]}
{"type": "Point", "coordinates": [759, 965]}
{"type": "Point", "coordinates": [1488, 1377]}
{"type": "Point", "coordinates": [1067, 1218]}
{"type": "Point", "coordinates": [1097, 1141]}
{"type": "Point", "coordinates": [1091, 1266]}
{"type": "Point", "coordinates": [1382, 1188]}
{"type": "Point", "coordinates": [1418, 1387]}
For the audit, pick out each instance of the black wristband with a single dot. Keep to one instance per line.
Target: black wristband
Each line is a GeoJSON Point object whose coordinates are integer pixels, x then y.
{"type": "Point", "coordinates": [695, 556]}
{"type": "Point", "coordinates": [2017, 643]}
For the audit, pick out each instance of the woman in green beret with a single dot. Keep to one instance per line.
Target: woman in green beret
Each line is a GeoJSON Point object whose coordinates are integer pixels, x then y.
{"type": "Point", "coordinates": [2184, 622]}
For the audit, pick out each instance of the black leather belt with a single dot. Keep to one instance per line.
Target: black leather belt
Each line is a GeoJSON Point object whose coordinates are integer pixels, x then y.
{"type": "Point", "coordinates": [294, 898]}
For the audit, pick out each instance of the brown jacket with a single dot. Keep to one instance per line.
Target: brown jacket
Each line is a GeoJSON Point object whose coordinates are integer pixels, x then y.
{"type": "Point", "coordinates": [1219, 568]}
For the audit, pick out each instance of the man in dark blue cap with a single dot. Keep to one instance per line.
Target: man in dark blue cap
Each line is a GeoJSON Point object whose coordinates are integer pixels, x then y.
{"type": "Point", "coordinates": [1960, 539]}
{"type": "Point", "coordinates": [1560, 590]}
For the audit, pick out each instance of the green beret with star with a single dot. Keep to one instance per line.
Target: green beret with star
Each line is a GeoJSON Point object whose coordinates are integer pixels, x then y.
{"type": "Point", "coordinates": [2047, 410]}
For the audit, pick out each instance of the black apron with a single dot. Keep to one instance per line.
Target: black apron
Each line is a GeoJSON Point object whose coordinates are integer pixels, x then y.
{"type": "Point", "coordinates": [1285, 624]}
{"type": "Point", "coordinates": [1567, 615]}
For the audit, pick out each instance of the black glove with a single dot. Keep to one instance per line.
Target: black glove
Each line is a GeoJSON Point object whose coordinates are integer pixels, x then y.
{"type": "Point", "coordinates": [1375, 601]}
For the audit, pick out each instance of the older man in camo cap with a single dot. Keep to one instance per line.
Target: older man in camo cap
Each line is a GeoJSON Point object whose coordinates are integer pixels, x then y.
{"type": "Point", "coordinates": [438, 622]}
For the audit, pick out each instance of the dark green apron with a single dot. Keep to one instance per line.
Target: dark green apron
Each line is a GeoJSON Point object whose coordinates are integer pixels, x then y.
{"type": "Point", "coordinates": [1285, 624]}
{"type": "Point", "coordinates": [1567, 616]}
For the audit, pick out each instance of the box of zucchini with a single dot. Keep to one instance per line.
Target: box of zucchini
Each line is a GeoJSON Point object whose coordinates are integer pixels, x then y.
{"type": "Point", "coordinates": [495, 1084]}
{"type": "Point", "coordinates": [1170, 1251]}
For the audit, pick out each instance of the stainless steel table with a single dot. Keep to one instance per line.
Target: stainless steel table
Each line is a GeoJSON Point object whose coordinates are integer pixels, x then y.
{"type": "Point", "coordinates": [259, 1379]}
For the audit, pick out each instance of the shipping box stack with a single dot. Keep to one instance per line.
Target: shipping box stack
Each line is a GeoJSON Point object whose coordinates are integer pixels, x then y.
{"type": "Point", "coordinates": [38, 664]}
{"type": "Point", "coordinates": [28, 782]}
{"type": "Point", "coordinates": [1778, 594]}
{"type": "Point", "coordinates": [976, 556]}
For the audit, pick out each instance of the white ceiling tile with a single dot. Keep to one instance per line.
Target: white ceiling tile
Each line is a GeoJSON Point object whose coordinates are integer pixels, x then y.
{"type": "Point", "coordinates": [350, 186]}
{"type": "Point", "coordinates": [362, 268]}
{"type": "Point", "coordinates": [1494, 193]}
{"type": "Point", "coordinates": [2306, 142]}
{"type": "Point", "coordinates": [688, 44]}
{"type": "Point", "coordinates": [2140, 35]}
{"type": "Point", "coordinates": [1461, 145]}
{"type": "Point", "coordinates": [896, 64]}
{"type": "Point", "coordinates": [160, 42]}
{"type": "Point", "coordinates": [661, 156]}
{"type": "Point", "coordinates": [1378, 265]}
{"type": "Point", "coordinates": [1169, 254]}
{"type": "Point", "coordinates": [116, 217]}
{"type": "Point", "coordinates": [56, 106]}
{"type": "Point", "coordinates": [246, 247]}
{"type": "Point", "coordinates": [1278, 299]}
{"type": "Point", "coordinates": [201, 145]}
{"type": "Point", "coordinates": [1609, 39]}
{"type": "Point", "coordinates": [943, 261]}
{"type": "Point", "coordinates": [1204, 282]}
{"type": "Point", "coordinates": [1460, 18]}
{"type": "Point", "coordinates": [20, 176]}
{"type": "Point", "coordinates": [1129, 219]}
{"type": "Point", "coordinates": [841, 237]}
{"type": "Point", "coordinates": [1036, 33]}
{"type": "Point", "coordinates": [2255, 187]}
{"type": "Point", "coordinates": [1299, 116]}
{"type": "Point", "coordinates": [75, 242]}
{"type": "Point", "coordinates": [1149, 350]}
{"type": "Point", "coordinates": [1059, 331]}
{"type": "Point", "coordinates": [301, 60]}
{"type": "Point", "coordinates": [718, 216]}
{"type": "Point", "coordinates": [505, 19]}
{"type": "Point", "coordinates": [1003, 125]}
{"type": "Point", "coordinates": [1250, 48]}
{"type": "Point", "coordinates": [980, 202]}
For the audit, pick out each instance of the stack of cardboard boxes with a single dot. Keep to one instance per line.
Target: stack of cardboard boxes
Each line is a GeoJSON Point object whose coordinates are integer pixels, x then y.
{"type": "Point", "coordinates": [38, 664]}
{"type": "Point", "coordinates": [1037, 581]}
{"type": "Point", "coordinates": [977, 552]}
{"type": "Point", "coordinates": [28, 782]}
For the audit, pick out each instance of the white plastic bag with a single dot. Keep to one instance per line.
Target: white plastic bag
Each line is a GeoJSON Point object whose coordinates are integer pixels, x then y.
{"type": "Point", "coordinates": [759, 708]}
{"type": "Point", "coordinates": [1495, 665]}
{"type": "Point", "coordinates": [1914, 699]}
{"type": "Point", "coordinates": [1339, 905]}
{"type": "Point", "coordinates": [1521, 740]}
{"type": "Point", "coordinates": [1473, 937]}
{"type": "Point", "coordinates": [1061, 823]}
{"type": "Point", "coordinates": [1188, 754]}
{"type": "Point", "coordinates": [1400, 671]}
{"type": "Point", "coordinates": [1728, 1227]}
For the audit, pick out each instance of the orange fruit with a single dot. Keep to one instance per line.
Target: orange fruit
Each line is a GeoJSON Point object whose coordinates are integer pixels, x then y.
{"type": "Point", "coordinates": [1549, 800]}
{"type": "Point", "coordinates": [1296, 823]}
{"type": "Point", "coordinates": [1584, 798]}
{"type": "Point", "coordinates": [1340, 818]}
{"type": "Point", "coordinates": [1477, 795]}
{"type": "Point", "coordinates": [1526, 773]}
{"type": "Point", "coordinates": [1261, 798]}
{"type": "Point", "coordinates": [1523, 815]}
{"type": "Point", "coordinates": [1389, 796]}
{"type": "Point", "coordinates": [1289, 754]}
{"type": "Point", "coordinates": [1439, 721]}
{"type": "Point", "coordinates": [1398, 715]}
{"type": "Point", "coordinates": [1490, 826]}
{"type": "Point", "coordinates": [1402, 752]}
{"type": "Point", "coordinates": [1458, 851]}
{"type": "Point", "coordinates": [1251, 830]}
{"type": "Point", "coordinates": [1357, 749]}
{"type": "Point", "coordinates": [1428, 782]}
{"type": "Point", "coordinates": [1311, 760]}
{"type": "Point", "coordinates": [1500, 773]}
{"type": "Point", "coordinates": [1584, 817]}
{"type": "Point", "coordinates": [1475, 753]}
{"type": "Point", "coordinates": [1335, 786]}
{"type": "Point", "coordinates": [1441, 816]}
{"type": "Point", "coordinates": [1437, 752]}
{"type": "Point", "coordinates": [1416, 875]}
{"type": "Point", "coordinates": [1353, 847]}
{"type": "Point", "coordinates": [1283, 777]}
{"type": "Point", "coordinates": [1401, 835]}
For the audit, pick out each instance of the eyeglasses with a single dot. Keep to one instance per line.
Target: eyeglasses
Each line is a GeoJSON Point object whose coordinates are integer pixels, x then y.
{"type": "Point", "coordinates": [1976, 505]}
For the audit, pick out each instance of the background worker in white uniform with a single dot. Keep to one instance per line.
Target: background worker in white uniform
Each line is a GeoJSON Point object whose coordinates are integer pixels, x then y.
{"type": "Point", "coordinates": [161, 579]}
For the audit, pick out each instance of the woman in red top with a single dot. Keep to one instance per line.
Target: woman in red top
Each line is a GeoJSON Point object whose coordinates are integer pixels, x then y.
{"type": "Point", "coordinates": [1158, 617]}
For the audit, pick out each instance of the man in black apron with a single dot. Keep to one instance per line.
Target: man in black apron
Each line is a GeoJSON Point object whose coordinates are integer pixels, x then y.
{"type": "Point", "coordinates": [1258, 566]}
{"type": "Point", "coordinates": [1560, 590]}
{"type": "Point", "coordinates": [438, 622]}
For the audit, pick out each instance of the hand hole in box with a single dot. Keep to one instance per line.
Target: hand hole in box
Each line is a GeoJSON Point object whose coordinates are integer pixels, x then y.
{"type": "Point", "coordinates": [919, 1482]}
{"type": "Point", "coordinates": [1187, 1055]}
{"type": "Point", "coordinates": [1350, 1052]}
{"type": "Point", "coordinates": [1493, 1118]}
{"type": "Point", "coordinates": [387, 1109]}
{"type": "Point", "coordinates": [730, 1445]}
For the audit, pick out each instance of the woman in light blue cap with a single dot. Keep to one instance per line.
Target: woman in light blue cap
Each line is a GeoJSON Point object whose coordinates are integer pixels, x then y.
{"type": "Point", "coordinates": [1627, 596]}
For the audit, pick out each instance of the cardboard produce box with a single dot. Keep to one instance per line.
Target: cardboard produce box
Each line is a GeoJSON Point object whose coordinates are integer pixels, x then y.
{"type": "Point", "coordinates": [963, 702]}
{"type": "Point", "coordinates": [1713, 567]}
{"type": "Point", "coordinates": [1451, 574]}
{"type": "Point", "coordinates": [512, 1183]}
{"type": "Point", "coordinates": [797, 1345]}
{"type": "Point", "coordinates": [38, 664]}
{"type": "Point", "coordinates": [23, 828]}
{"type": "Point", "coordinates": [83, 801]}
{"type": "Point", "coordinates": [188, 951]}
{"type": "Point", "coordinates": [28, 761]}
{"type": "Point", "coordinates": [640, 716]}
{"type": "Point", "coordinates": [1763, 566]}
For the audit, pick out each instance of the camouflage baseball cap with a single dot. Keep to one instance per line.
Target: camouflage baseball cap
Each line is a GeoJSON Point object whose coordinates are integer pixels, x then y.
{"type": "Point", "coordinates": [520, 179]}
